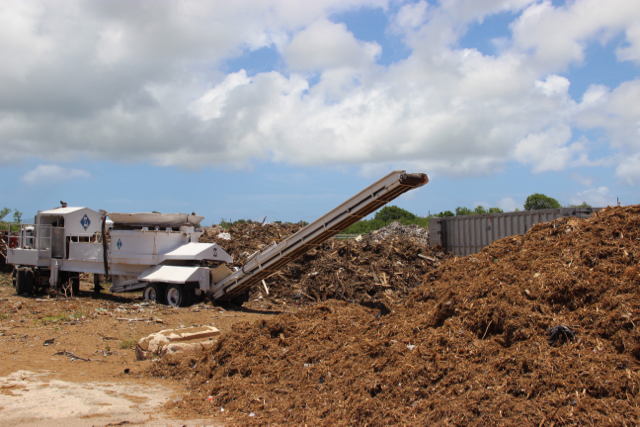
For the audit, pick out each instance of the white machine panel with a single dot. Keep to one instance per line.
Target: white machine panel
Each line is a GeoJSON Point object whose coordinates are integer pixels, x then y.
{"type": "Point", "coordinates": [198, 252]}
{"type": "Point", "coordinates": [175, 274]}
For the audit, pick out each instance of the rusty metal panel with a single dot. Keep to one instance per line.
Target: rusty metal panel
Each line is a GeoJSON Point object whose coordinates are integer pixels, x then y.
{"type": "Point", "coordinates": [464, 235]}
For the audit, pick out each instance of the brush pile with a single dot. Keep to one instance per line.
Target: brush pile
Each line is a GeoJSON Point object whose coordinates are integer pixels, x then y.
{"type": "Point", "coordinates": [539, 329]}
{"type": "Point", "coordinates": [396, 230]}
{"type": "Point", "coordinates": [388, 267]}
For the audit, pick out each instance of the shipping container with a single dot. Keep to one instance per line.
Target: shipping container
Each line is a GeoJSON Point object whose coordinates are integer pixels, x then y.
{"type": "Point", "coordinates": [468, 234]}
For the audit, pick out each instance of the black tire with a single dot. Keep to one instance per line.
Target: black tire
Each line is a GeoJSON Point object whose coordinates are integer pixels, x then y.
{"type": "Point", "coordinates": [30, 277]}
{"type": "Point", "coordinates": [21, 281]}
{"type": "Point", "coordinates": [177, 296]}
{"type": "Point", "coordinates": [154, 292]}
{"type": "Point", "coordinates": [240, 299]}
{"type": "Point", "coordinates": [97, 287]}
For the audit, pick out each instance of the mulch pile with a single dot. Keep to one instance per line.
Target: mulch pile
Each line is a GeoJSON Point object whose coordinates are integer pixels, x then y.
{"type": "Point", "coordinates": [469, 347]}
{"type": "Point", "coordinates": [387, 267]}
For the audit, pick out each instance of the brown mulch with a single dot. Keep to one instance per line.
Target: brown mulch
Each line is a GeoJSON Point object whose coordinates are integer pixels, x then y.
{"type": "Point", "coordinates": [468, 347]}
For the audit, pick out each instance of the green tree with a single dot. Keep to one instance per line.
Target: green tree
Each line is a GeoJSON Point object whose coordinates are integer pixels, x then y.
{"type": "Point", "coordinates": [444, 214]}
{"type": "Point", "coordinates": [460, 211]}
{"type": "Point", "coordinates": [539, 201]}
{"type": "Point", "coordinates": [383, 217]}
{"type": "Point", "coordinates": [479, 210]}
{"type": "Point", "coordinates": [583, 205]}
{"type": "Point", "coordinates": [393, 213]}
{"type": "Point", "coordinates": [17, 216]}
{"type": "Point", "coordinates": [495, 210]}
{"type": "Point", "coordinates": [4, 212]}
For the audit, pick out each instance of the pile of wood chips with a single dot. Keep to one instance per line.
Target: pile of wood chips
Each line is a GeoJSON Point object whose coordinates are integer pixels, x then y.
{"type": "Point", "coordinates": [470, 346]}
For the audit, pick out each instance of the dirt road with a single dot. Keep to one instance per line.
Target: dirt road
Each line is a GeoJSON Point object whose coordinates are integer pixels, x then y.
{"type": "Point", "coordinates": [71, 361]}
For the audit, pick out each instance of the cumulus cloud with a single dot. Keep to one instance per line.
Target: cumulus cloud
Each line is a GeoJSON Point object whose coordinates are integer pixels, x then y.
{"type": "Point", "coordinates": [596, 197]}
{"type": "Point", "coordinates": [142, 80]}
{"type": "Point", "coordinates": [629, 170]}
{"type": "Point", "coordinates": [325, 44]}
{"type": "Point", "coordinates": [48, 174]}
{"type": "Point", "coordinates": [559, 35]}
{"type": "Point", "coordinates": [508, 204]}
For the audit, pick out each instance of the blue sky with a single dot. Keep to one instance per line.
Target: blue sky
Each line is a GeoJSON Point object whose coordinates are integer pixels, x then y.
{"type": "Point", "coordinates": [274, 109]}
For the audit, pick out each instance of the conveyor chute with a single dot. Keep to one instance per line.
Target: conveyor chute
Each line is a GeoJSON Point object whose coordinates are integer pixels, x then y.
{"type": "Point", "coordinates": [274, 257]}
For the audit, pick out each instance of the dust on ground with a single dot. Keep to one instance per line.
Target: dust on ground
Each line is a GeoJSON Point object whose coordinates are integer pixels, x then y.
{"type": "Point", "coordinates": [539, 329]}
{"type": "Point", "coordinates": [45, 340]}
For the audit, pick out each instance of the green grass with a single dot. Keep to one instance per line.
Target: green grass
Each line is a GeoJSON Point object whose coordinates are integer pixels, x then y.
{"type": "Point", "coordinates": [56, 318]}
{"type": "Point", "coordinates": [4, 316]}
{"type": "Point", "coordinates": [127, 344]}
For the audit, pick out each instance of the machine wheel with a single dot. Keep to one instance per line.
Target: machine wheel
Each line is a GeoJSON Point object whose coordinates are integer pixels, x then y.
{"type": "Point", "coordinates": [30, 282]}
{"type": "Point", "coordinates": [154, 292]}
{"type": "Point", "coordinates": [240, 299]}
{"type": "Point", "coordinates": [97, 287]}
{"type": "Point", "coordinates": [177, 296]}
{"type": "Point", "coordinates": [21, 281]}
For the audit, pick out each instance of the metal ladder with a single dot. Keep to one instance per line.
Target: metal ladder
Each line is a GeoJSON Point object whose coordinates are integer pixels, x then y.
{"type": "Point", "coordinates": [271, 259]}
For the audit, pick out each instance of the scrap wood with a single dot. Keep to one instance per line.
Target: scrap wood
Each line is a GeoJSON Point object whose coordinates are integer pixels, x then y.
{"type": "Point", "coordinates": [148, 319]}
{"type": "Point", "coordinates": [71, 355]}
{"type": "Point", "coordinates": [398, 254]}
{"type": "Point", "coordinates": [122, 423]}
{"type": "Point", "coordinates": [106, 337]}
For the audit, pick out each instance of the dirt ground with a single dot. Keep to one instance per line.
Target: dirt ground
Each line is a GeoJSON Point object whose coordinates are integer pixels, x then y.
{"type": "Point", "coordinates": [43, 342]}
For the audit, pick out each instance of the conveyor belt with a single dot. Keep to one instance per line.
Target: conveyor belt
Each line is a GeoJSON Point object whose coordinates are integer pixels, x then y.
{"type": "Point", "coordinates": [274, 257]}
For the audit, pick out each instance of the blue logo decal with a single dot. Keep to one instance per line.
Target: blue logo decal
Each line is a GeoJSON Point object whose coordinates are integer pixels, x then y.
{"type": "Point", "coordinates": [119, 244]}
{"type": "Point", "coordinates": [85, 222]}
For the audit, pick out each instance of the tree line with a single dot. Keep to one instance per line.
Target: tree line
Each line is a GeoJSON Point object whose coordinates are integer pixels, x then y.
{"type": "Point", "coordinates": [17, 218]}
{"type": "Point", "coordinates": [388, 214]}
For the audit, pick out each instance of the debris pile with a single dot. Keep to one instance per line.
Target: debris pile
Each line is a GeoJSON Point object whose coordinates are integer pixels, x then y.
{"type": "Point", "coordinates": [469, 347]}
{"type": "Point", "coordinates": [396, 230]}
{"type": "Point", "coordinates": [386, 267]}
{"type": "Point", "coordinates": [4, 237]}
{"type": "Point", "coordinates": [243, 240]}
{"type": "Point", "coordinates": [356, 271]}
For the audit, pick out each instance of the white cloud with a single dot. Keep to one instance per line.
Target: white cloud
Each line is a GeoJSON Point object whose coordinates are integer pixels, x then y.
{"type": "Point", "coordinates": [629, 170]}
{"type": "Point", "coordinates": [325, 44]}
{"type": "Point", "coordinates": [587, 181]}
{"type": "Point", "coordinates": [143, 80]}
{"type": "Point", "coordinates": [508, 204]}
{"type": "Point", "coordinates": [49, 174]}
{"type": "Point", "coordinates": [596, 197]}
{"type": "Point", "coordinates": [559, 35]}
